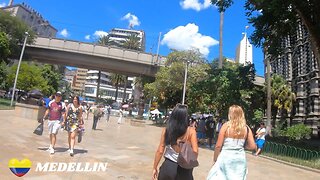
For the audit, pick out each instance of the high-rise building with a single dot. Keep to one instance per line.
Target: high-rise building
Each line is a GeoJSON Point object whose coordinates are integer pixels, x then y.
{"type": "Point", "coordinates": [244, 51]}
{"type": "Point", "coordinates": [79, 81]}
{"type": "Point", "coordinates": [107, 90]}
{"type": "Point", "coordinates": [298, 65]}
{"type": "Point", "coordinates": [32, 18]}
{"type": "Point", "coordinates": [121, 35]}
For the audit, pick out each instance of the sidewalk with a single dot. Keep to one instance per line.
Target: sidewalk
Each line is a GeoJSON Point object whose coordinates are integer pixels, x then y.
{"type": "Point", "coordinates": [128, 150]}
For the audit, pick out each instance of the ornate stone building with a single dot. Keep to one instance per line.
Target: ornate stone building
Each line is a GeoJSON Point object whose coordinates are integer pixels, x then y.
{"type": "Point", "coordinates": [299, 67]}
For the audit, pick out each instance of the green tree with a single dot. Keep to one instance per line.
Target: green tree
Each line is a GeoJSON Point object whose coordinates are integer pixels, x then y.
{"type": "Point", "coordinates": [30, 77]}
{"type": "Point", "coordinates": [222, 6]}
{"type": "Point", "coordinates": [3, 75]}
{"type": "Point", "coordinates": [53, 78]}
{"type": "Point", "coordinates": [275, 19]}
{"type": "Point", "coordinates": [133, 42]}
{"type": "Point", "coordinates": [15, 30]}
{"type": "Point", "coordinates": [4, 46]}
{"type": "Point", "coordinates": [116, 81]}
{"type": "Point", "coordinates": [233, 84]}
{"type": "Point", "coordinates": [168, 85]}
{"type": "Point", "coordinates": [282, 99]}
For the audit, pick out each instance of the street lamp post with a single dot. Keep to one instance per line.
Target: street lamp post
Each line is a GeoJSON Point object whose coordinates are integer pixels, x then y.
{"type": "Point", "coordinates": [17, 72]}
{"type": "Point", "coordinates": [20, 59]}
{"type": "Point", "coordinates": [185, 82]}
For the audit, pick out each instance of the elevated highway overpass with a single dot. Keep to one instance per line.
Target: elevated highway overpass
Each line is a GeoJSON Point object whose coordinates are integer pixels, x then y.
{"type": "Point", "coordinates": [93, 56]}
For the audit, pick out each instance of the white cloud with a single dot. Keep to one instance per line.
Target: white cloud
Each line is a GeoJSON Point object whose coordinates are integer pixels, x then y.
{"type": "Point", "coordinates": [99, 34]}
{"type": "Point", "coordinates": [133, 20]}
{"type": "Point", "coordinates": [195, 4]}
{"type": "Point", "coordinates": [187, 37]}
{"type": "Point", "coordinates": [87, 37]}
{"type": "Point", "coordinates": [64, 33]}
{"type": "Point", "coordinates": [2, 5]}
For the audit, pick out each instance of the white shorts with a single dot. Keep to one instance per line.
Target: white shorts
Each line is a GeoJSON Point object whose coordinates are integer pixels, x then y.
{"type": "Point", "coordinates": [53, 126]}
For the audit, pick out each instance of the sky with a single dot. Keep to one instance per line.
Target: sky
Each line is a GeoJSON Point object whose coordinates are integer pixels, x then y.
{"type": "Point", "coordinates": [183, 24]}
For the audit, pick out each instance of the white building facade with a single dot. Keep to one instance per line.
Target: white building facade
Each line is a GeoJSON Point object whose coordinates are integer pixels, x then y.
{"type": "Point", "coordinates": [121, 35]}
{"type": "Point", "coordinates": [107, 90]}
{"type": "Point", "coordinates": [244, 51]}
{"type": "Point", "coordinates": [32, 18]}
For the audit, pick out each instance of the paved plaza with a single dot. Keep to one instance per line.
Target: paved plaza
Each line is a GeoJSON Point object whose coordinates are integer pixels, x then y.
{"type": "Point", "coordinates": [128, 150]}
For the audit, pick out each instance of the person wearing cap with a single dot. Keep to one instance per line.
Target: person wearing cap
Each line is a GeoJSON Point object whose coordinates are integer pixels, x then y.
{"type": "Point", "coordinates": [56, 109]}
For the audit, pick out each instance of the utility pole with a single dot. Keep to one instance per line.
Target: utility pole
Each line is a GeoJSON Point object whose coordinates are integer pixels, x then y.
{"type": "Point", "coordinates": [18, 68]}
{"type": "Point", "coordinates": [158, 48]}
{"type": "Point", "coordinates": [185, 82]}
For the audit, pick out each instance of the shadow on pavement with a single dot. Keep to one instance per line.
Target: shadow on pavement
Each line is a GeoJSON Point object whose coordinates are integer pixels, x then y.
{"type": "Point", "coordinates": [63, 149]}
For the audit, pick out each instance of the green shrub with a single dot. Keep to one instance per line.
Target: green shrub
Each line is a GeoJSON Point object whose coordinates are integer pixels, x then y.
{"type": "Point", "coordinates": [297, 132]}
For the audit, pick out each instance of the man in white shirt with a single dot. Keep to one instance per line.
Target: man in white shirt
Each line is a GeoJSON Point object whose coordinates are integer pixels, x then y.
{"type": "Point", "coordinates": [261, 138]}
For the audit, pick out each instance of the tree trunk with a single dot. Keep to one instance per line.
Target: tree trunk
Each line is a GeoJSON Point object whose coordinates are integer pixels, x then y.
{"type": "Point", "coordinates": [220, 40]}
{"type": "Point", "coordinates": [117, 88]}
{"type": "Point", "coordinates": [98, 86]}
{"type": "Point", "coordinates": [268, 78]}
{"type": "Point", "coordinates": [125, 90]}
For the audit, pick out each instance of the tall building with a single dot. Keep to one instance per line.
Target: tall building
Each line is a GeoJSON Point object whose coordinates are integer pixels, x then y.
{"type": "Point", "coordinates": [107, 90]}
{"type": "Point", "coordinates": [121, 35]}
{"type": "Point", "coordinates": [79, 81]}
{"type": "Point", "coordinates": [244, 51]}
{"type": "Point", "coordinates": [32, 18]}
{"type": "Point", "coordinates": [298, 65]}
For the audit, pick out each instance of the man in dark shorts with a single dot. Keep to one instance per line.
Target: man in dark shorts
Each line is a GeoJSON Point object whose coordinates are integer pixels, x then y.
{"type": "Point", "coordinates": [210, 126]}
{"type": "Point", "coordinates": [56, 109]}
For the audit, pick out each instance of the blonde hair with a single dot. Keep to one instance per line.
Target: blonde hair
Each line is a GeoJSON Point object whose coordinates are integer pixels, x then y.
{"type": "Point", "coordinates": [236, 118]}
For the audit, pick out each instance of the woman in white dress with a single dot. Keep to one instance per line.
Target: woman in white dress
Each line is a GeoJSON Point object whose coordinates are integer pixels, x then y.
{"type": "Point", "coordinates": [229, 155]}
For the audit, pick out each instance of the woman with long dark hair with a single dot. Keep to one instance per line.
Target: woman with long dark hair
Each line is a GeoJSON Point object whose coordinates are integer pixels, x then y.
{"type": "Point", "coordinates": [73, 121]}
{"type": "Point", "coordinates": [177, 130]}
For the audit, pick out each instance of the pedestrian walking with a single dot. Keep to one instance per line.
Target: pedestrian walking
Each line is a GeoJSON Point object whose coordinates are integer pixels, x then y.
{"type": "Point", "coordinates": [210, 127]}
{"type": "Point", "coordinates": [73, 122]}
{"type": "Point", "coordinates": [177, 130]}
{"type": "Point", "coordinates": [229, 155]}
{"type": "Point", "coordinates": [120, 116]}
{"type": "Point", "coordinates": [108, 113]}
{"type": "Point", "coordinates": [55, 110]}
{"type": "Point", "coordinates": [261, 138]}
{"type": "Point", "coordinates": [97, 113]}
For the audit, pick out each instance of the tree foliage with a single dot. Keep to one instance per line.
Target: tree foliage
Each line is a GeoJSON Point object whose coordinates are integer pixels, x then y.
{"type": "Point", "coordinates": [168, 85]}
{"type": "Point", "coordinates": [276, 19]}
{"type": "Point", "coordinates": [14, 30]}
{"type": "Point", "coordinates": [133, 42]}
{"type": "Point", "coordinates": [30, 77]}
{"type": "Point", "coordinates": [53, 78]}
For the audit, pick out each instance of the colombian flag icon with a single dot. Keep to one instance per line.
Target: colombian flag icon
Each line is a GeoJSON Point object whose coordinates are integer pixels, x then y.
{"type": "Point", "coordinates": [19, 168]}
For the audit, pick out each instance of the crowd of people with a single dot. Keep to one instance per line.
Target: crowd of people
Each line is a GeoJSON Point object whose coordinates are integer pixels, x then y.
{"type": "Point", "coordinates": [232, 138]}
{"type": "Point", "coordinates": [70, 117]}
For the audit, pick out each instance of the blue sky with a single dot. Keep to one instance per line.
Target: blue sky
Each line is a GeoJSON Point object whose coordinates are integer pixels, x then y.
{"type": "Point", "coordinates": [183, 23]}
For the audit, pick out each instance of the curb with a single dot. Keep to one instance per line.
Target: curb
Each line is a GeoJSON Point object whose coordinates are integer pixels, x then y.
{"type": "Point", "coordinates": [289, 163]}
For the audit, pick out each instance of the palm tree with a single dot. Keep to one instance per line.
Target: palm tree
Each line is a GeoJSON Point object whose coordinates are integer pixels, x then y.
{"type": "Point", "coordinates": [133, 42]}
{"type": "Point", "coordinates": [282, 97]}
{"type": "Point", "coordinates": [116, 80]}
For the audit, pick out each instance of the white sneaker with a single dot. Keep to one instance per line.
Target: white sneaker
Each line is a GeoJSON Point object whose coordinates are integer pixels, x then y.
{"type": "Point", "coordinates": [51, 150]}
{"type": "Point", "coordinates": [71, 152]}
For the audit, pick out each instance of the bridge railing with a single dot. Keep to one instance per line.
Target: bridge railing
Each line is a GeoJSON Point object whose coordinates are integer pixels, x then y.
{"type": "Point", "coordinates": [99, 50]}
{"type": "Point", "coordinates": [290, 151]}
